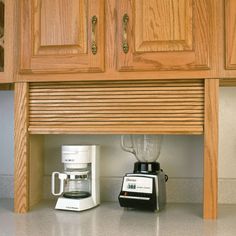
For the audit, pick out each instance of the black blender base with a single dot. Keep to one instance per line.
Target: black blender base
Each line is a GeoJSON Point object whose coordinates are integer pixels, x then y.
{"type": "Point", "coordinates": [138, 204]}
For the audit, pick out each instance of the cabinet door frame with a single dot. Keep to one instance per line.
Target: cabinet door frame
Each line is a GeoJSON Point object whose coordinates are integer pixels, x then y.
{"type": "Point", "coordinates": [33, 60]}
{"type": "Point", "coordinates": [197, 58]}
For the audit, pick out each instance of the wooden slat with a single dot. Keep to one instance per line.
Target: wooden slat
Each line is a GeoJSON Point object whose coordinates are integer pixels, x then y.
{"type": "Point", "coordinates": [193, 130]}
{"type": "Point", "coordinates": [110, 105]}
{"type": "Point", "coordinates": [90, 113]}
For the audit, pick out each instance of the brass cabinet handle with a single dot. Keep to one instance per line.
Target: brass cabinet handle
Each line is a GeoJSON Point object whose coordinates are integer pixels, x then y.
{"type": "Point", "coordinates": [94, 44]}
{"type": "Point", "coordinates": [125, 44]}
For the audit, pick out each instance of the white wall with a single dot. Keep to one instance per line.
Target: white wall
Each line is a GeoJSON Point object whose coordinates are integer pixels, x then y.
{"type": "Point", "coordinates": [181, 156]}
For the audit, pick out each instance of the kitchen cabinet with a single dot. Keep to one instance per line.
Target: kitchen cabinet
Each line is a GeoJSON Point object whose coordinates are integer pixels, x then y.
{"type": "Point", "coordinates": [112, 107]}
{"type": "Point", "coordinates": [7, 40]}
{"type": "Point", "coordinates": [152, 39]}
{"type": "Point", "coordinates": [164, 35]}
{"type": "Point", "coordinates": [62, 36]}
{"type": "Point", "coordinates": [131, 47]}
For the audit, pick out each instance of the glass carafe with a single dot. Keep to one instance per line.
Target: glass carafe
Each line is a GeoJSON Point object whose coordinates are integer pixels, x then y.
{"type": "Point", "coordinates": [73, 183]}
{"type": "Point", "coordinates": [77, 186]}
{"type": "Point", "coordinates": [146, 147]}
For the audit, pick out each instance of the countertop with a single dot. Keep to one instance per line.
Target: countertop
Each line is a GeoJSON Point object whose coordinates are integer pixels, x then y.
{"type": "Point", "coordinates": [109, 219]}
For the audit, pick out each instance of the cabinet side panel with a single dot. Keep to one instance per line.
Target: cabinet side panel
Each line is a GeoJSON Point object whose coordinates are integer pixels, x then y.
{"type": "Point", "coordinates": [211, 148]}
{"type": "Point", "coordinates": [21, 188]}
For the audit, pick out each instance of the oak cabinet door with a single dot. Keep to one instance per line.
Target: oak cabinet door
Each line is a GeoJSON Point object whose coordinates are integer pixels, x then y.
{"type": "Point", "coordinates": [162, 35]}
{"type": "Point", "coordinates": [230, 30]}
{"type": "Point", "coordinates": [57, 36]}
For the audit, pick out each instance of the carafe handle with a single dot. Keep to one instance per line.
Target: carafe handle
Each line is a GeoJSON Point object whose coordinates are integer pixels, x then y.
{"type": "Point", "coordinates": [62, 177]}
{"type": "Point", "coordinates": [126, 148]}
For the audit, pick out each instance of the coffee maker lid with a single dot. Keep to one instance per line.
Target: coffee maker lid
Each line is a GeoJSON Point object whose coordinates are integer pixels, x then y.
{"type": "Point", "coordinates": [76, 148]}
{"type": "Point", "coordinates": [77, 153]}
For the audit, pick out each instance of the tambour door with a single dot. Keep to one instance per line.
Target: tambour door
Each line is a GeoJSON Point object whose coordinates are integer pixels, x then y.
{"type": "Point", "coordinates": [61, 36]}
{"type": "Point", "coordinates": [116, 107]}
{"type": "Point", "coordinates": [164, 35]}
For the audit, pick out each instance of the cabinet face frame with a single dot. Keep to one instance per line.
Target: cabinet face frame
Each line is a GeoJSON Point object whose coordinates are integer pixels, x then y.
{"type": "Point", "coordinates": [150, 52]}
{"type": "Point", "coordinates": [51, 49]}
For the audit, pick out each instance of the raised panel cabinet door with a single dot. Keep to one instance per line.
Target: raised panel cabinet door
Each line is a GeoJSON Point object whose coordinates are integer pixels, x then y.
{"type": "Point", "coordinates": [230, 30]}
{"type": "Point", "coordinates": [163, 35]}
{"type": "Point", "coordinates": [62, 36]}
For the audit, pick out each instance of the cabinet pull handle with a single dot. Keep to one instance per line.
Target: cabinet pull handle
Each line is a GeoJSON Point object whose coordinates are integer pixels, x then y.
{"type": "Point", "coordinates": [94, 44]}
{"type": "Point", "coordinates": [125, 44]}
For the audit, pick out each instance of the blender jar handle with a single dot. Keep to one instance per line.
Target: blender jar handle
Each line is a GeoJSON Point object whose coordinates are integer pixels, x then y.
{"type": "Point", "coordinates": [126, 148]}
{"type": "Point", "coordinates": [62, 177]}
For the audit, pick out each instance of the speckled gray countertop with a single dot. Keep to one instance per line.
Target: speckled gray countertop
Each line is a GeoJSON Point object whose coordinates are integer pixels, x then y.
{"type": "Point", "coordinates": [110, 220]}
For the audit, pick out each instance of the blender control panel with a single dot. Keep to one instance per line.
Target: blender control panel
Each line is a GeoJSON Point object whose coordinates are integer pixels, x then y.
{"type": "Point", "coordinates": [137, 184]}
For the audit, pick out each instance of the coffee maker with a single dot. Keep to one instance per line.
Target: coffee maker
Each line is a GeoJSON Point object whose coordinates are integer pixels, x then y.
{"type": "Point", "coordinates": [79, 183]}
{"type": "Point", "coordinates": [145, 188]}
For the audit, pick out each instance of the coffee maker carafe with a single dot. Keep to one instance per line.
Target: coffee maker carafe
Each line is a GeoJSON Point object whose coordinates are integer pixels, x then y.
{"type": "Point", "coordinates": [79, 183]}
{"type": "Point", "coordinates": [145, 187]}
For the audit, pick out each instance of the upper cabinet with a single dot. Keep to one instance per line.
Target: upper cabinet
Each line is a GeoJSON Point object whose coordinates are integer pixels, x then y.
{"type": "Point", "coordinates": [61, 36]}
{"type": "Point", "coordinates": [164, 35]}
{"type": "Point", "coordinates": [150, 38]}
{"type": "Point", "coordinates": [230, 30]}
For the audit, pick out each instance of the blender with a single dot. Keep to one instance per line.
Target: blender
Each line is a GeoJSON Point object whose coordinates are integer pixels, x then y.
{"type": "Point", "coordinates": [145, 188]}
{"type": "Point", "coordinates": [79, 183]}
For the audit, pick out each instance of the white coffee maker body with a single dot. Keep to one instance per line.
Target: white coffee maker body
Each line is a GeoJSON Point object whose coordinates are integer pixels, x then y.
{"type": "Point", "coordinates": [79, 183]}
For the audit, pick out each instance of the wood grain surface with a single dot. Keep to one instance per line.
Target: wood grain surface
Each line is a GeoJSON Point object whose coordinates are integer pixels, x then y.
{"type": "Point", "coordinates": [211, 149]}
{"type": "Point", "coordinates": [21, 150]}
{"type": "Point", "coordinates": [56, 36]}
{"type": "Point", "coordinates": [168, 35]}
{"type": "Point", "coordinates": [116, 107]}
{"type": "Point", "coordinates": [175, 64]}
